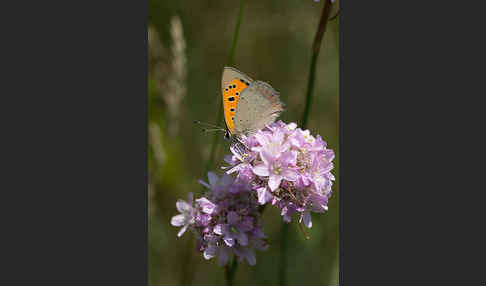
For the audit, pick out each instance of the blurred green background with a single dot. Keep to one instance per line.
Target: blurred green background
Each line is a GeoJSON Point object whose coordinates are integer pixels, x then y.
{"type": "Point", "coordinates": [189, 44]}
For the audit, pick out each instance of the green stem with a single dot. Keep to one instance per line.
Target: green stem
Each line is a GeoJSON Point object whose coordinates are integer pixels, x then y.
{"type": "Point", "coordinates": [310, 88]}
{"type": "Point", "coordinates": [335, 16]}
{"type": "Point", "coordinates": [231, 60]}
{"type": "Point", "coordinates": [230, 272]}
{"type": "Point", "coordinates": [282, 272]}
{"type": "Point", "coordinates": [316, 46]}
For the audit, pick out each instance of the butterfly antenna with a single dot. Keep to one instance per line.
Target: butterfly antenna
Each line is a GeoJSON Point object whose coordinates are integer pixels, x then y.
{"type": "Point", "coordinates": [212, 129]}
{"type": "Point", "coordinates": [207, 124]}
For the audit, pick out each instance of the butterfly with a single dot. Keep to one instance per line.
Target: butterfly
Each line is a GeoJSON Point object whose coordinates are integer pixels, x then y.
{"type": "Point", "coordinates": [248, 105]}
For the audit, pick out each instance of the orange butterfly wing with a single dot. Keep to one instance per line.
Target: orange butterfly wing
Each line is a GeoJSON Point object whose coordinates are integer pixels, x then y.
{"type": "Point", "coordinates": [231, 94]}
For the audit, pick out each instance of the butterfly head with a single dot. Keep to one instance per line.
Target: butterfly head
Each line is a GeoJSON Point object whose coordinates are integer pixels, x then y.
{"type": "Point", "coordinates": [227, 135]}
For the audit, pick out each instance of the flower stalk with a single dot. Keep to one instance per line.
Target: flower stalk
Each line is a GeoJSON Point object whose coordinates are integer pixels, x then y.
{"type": "Point", "coordinates": [326, 10]}
{"type": "Point", "coordinates": [230, 272]}
{"type": "Point", "coordinates": [316, 46]}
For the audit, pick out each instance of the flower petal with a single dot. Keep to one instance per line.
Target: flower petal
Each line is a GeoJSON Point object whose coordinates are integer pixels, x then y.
{"type": "Point", "coordinates": [242, 238]}
{"type": "Point", "coordinates": [235, 168]}
{"type": "Point", "coordinates": [213, 178]}
{"type": "Point", "coordinates": [278, 136]}
{"type": "Point", "coordinates": [246, 224]}
{"type": "Point", "coordinates": [274, 182]}
{"type": "Point", "coordinates": [233, 218]}
{"type": "Point", "coordinates": [258, 233]}
{"type": "Point", "coordinates": [290, 174]}
{"type": "Point", "coordinates": [228, 159]}
{"type": "Point", "coordinates": [250, 257]}
{"type": "Point", "coordinates": [307, 219]}
{"type": "Point", "coordinates": [285, 158]}
{"type": "Point", "coordinates": [287, 218]}
{"type": "Point", "coordinates": [178, 220]}
{"type": "Point", "coordinates": [236, 153]}
{"type": "Point", "coordinates": [264, 195]}
{"type": "Point", "coordinates": [210, 252]}
{"type": "Point", "coordinates": [183, 229]}
{"type": "Point", "coordinates": [229, 241]}
{"type": "Point", "coordinates": [183, 206]}
{"type": "Point", "coordinates": [203, 219]}
{"type": "Point", "coordinates": [226, 179]}
{"type": "Point", "coordinates": [261, 170]}
{"type": "Point", "coordinates": [261, 138]}
{"type": "Point", "coordinates": [218, 229]}
{"type": "Point", "coordinates": [291, 126]}
{"type": "Point", "coordinates": [204, 184]}
{"type": "Point", "coordinates": [206, 205]}
{"type": "Point", "coordinates": [267, 157]}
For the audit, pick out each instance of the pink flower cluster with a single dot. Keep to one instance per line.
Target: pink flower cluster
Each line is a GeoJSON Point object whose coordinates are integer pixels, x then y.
{"type": "Point", "coordinates": [287, 167]}
{"type": "Point", "coordinates": [280, 165]}
{"type": "Point", "coordinates": [226, 220]}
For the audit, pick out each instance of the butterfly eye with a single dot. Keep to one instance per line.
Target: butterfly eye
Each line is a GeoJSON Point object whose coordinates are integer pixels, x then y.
{"type": "Point", "coordinates": [226, 135]}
